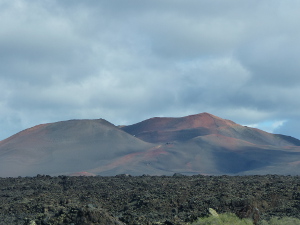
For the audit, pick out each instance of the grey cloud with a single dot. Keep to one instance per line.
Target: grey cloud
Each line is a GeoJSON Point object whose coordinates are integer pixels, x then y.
{"type": "Point", "coordinates": [290, 127]}
{"type": "Point", "coordinates": [128, 61]}
{"type": "Point", "coordinates": [273, 61]}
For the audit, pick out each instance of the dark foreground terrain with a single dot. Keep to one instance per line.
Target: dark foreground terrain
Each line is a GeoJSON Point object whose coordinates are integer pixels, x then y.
{"type": "Point", "coordinates": [124, 199]}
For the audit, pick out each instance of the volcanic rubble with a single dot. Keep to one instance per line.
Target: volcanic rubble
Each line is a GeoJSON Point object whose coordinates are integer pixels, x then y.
{"type": "Point", "coordinates": [125, 199]}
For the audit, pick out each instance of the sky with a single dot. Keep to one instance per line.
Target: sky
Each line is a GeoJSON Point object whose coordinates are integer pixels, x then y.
{"type": "Point", "coordinates": [127, 61]}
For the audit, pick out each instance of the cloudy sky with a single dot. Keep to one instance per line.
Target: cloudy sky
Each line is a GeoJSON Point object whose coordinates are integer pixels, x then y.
{"type": "Point", "coordinates": [126, 61]}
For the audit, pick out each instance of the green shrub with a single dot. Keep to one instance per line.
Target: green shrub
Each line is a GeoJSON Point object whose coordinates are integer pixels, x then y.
{"type": "Point", "coordinates": [232, 219]}
{"type": "Point", "coordinates": [281, 221]}
{"type": "Point", "coordinates": [223, 219]}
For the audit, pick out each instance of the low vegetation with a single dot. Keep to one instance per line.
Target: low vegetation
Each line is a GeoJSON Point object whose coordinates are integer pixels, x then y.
{"type": "Point", "coordinates": [281, 221]}
{"type": "Point", "coordinates": [223, 219]}
{"type": "Point", "coordinates": [232, 219]}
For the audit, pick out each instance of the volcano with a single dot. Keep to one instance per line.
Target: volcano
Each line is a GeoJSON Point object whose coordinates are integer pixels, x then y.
{"type": "Point", "coordinates": [195, 144]}
{"type": "Point", "coordinates": [66, 147]}
{"type": "Point", "coordinates": [158, 130]}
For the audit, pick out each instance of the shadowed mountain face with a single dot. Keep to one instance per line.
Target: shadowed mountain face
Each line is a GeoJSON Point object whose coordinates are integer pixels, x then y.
{"type": "Point", "coordinates": [201, 143]}
{"type": "Point", "coordinates": [158, 130]}
{"type": "Point", "coordinates": [65, 147]}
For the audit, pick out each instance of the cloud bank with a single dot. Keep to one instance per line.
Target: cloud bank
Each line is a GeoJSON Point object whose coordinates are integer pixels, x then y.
{"type": "Point", "coordinates": [126, 61]}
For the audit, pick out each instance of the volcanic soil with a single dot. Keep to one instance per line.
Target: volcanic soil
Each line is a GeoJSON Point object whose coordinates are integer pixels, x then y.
{"type": "Point", "coordinates": [124, 199]}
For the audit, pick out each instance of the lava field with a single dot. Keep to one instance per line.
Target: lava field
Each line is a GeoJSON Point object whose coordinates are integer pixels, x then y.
{"type": "Point", "coordinates": [125, 199]}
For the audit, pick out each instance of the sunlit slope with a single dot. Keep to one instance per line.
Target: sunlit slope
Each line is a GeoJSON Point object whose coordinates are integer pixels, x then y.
{"type": "Point", "coordinates": [211, 145]}
{"type": "Point", "coordinates": [196, 144]}
{"type": "Point", "coordinates": [65, 147]}
{"type": "Point", "coordinates": [162, 129]}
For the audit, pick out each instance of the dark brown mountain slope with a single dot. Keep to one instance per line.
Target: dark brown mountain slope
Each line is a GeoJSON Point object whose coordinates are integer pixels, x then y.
{"type": "Point", "coordinates": [65, 147]}
{"type": "Point", "coordinates": [201, 143]}
{"type": "Point", "coordinates": [160, 130]}
{"type": "Point", "coordinates": [207, 144]}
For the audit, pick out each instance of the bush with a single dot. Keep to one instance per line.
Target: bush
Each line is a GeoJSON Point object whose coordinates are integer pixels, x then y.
{"type": "Point", "coordinates": [232, 219]}
{"type": "Point", "coordinates": [281, 221]}
{"type": "Point", "coordinates": [222, 219]}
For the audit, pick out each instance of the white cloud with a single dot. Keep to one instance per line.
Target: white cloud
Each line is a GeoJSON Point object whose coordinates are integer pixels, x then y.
{"type": "Point", "coordinates": [130, 61]}
{"type": "Point", "coordinates": [269, 125]}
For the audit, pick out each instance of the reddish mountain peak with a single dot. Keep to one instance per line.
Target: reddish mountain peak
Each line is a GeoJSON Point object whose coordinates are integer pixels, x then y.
{"type": "Point", "coordinates": [202, 120]}
{"type": "Point", "coordinates": [61, 125]}
{"type": "Point", "coordinates": [206, 120]}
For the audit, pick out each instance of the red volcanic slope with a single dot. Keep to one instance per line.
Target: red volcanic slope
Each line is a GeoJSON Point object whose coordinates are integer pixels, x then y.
{"type": "Point", "coordinates": [159, 130]}
{"type": "Point", "coordinates": [201, 143]}
{"type": "Point", "coordinates": [65, 147]}
{"type": "Point", "coordinates": [204, 120]}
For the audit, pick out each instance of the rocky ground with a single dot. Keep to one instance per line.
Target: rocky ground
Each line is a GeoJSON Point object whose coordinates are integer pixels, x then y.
{"type": "Point", "coordinates": [146, 199]}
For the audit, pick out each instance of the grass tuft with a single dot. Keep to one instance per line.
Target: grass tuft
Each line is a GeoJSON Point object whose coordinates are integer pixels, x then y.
{"type": "Point", "coordinates": [223, 219]}
{"type": "Point", "coordinates": [281, 221]}
{"type": "Point", "coordinates": [232, 219]}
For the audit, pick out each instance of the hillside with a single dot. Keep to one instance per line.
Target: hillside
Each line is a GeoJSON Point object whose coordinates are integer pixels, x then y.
{"type": "Point", "coordinates": [65, 147]}
{"type": "Point", "coordinates": [195, 144]}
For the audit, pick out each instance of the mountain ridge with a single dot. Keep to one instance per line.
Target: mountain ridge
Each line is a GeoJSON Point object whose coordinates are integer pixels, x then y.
{"type": "Point", "coordinates": [200, 143]}
{"type": "Point", "coordinates": [163, 128]}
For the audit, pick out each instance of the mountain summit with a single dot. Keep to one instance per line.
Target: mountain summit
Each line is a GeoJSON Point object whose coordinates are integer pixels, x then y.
{"type": "Point", "coordinates": [165, 129]}
{"type": "Point", "coordinates": [195, 144]}
{"type": "Point", "coordinates": [162, 129]}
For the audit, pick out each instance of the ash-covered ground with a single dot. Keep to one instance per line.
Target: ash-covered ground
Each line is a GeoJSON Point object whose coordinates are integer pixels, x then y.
{"type": "Point", "coordinates": [145, 199]}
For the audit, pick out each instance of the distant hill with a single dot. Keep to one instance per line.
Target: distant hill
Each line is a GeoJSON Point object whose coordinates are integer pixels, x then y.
{"type": "Point", "coordinates": [194, 144]}
{"type": "Point", "coordinates": [65, 147]}
{"type": "Point", "coordinates": [156, 130]}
